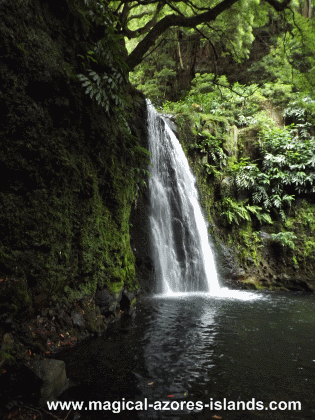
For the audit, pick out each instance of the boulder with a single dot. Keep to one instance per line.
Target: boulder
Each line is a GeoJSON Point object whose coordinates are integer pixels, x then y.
{"type": "Point", "coordinates": [78, 318]}
{"type": "Point", "coordinates": [53, 374]}
{"type": "Point", "coordinates": [107, 301]}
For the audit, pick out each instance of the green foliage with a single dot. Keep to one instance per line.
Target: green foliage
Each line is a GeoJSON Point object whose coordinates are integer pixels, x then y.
{"type": "Point", "coordinates": [249, 244]}
{"type": "Point", "coordinates": [235, 212]}
{"type": "Point", "coordinates": [285, 164]}
{"type": "Point", "coordinates": [278, 92]}
{"type": "Point", "coordinates": [103, 88]}
{"type": "Point", "coordinates": [65, 208]}
{"type": "Point", "coordinates": [116, 287]}
{"type": "Point", "coordinates": [214, 96]}
{"type": "Point", "coordinates": [285, 239]}
{"type": "Point", "coordinates": [304, 217]}
{"type": "Point", "coordinates": [163, 66]}
{"type": "Point", "coordinates": [140, 174]}
{"type": "Point", "coordinates": [289, 158]}
{"type": "Point", "coordinates": [207, 143]}
{"type": "Point", "coordinates": [156, 80]}
{"type": "Point", "coordinates": [287, 71]}
{"type": "Point", "coordinates": [300, 109]}
{"type": "Point", "coordinates": [104, 75]}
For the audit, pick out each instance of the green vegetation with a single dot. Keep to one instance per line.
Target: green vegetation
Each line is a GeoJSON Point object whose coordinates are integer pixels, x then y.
{"type": "Point", "coordinates": [72, 171]}
{"type": "Point", "coordinates": [282, 165]}
{"type": "Point", "coordinates": [284, 238]}
{"type": "Point", "coordinates": [106, 87]}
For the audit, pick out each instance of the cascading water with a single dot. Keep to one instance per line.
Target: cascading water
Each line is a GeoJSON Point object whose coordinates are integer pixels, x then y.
{"type": "Point", "coordinates": [182, 254]}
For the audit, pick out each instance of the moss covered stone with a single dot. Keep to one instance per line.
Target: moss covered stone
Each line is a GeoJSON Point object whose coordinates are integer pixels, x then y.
{"type": "Point", "coordinates": [68, 185]}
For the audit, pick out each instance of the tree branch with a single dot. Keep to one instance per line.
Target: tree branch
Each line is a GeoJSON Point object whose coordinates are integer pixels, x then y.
{"type": "Point", "coordinates": [135, 57]}
{"type": "Point", "coordinates": [277, 5]}
{"type": "Point", "coordinates": [134, 34]}
{"type": "Point", "coordinates": [139, 16]}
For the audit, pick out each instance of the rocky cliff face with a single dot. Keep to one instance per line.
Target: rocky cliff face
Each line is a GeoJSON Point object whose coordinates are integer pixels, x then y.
{"type": "Point", "coordinates": [247, 254]}
{"type": "Point", "coordinates": [69, 183]}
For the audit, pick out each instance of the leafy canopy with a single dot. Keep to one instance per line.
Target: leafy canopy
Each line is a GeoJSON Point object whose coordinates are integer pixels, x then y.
{"type": "Point", "coordinates": [147, 20]}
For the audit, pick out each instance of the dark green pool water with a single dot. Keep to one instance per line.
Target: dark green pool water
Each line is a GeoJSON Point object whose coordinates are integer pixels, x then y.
{"type": "Point", "coordinates": [256, 347]}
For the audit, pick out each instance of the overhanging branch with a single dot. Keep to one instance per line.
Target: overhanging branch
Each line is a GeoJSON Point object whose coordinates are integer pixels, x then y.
{"type": "Point", "coordinates": [133, 34]}
{"type": "Point", "coordinates": [277, 5]}
{"type": "Point", "coordinates": [136, 56]}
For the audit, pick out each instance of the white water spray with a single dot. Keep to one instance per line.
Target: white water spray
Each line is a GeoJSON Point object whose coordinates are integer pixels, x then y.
{"type": "Point", "coordinates": [182, 254]}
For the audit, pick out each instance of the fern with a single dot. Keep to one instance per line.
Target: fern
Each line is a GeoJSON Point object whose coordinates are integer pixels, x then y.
{"type": "Point", "coordinates": [284, 238]}
{"type": "Point", "coordinates": [287, 161]}
{"type": "Point", "coordinates": [236, 212]}
{"type": "Point", "coordinates": [104, 87]}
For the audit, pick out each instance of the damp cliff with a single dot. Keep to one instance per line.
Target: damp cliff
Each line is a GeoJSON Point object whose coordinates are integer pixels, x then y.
{"type": "Point", "coordinates": [252, 252]}
{"type": "Point", "coordinates": [72, 171]}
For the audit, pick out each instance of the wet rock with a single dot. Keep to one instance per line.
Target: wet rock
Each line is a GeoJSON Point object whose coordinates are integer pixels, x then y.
{"type": "Point", "coordinates": [128, 301]}
{"type": "Point", "coordinates": [64, 319]}
{"type": "Point", "coordinates": [250, 261]}
{"type": "Point", "coordinates": [53, 374]}
{"type": "Point", "coordinates": [249, 285]}
{"type": "Point", "coordinates": [227, 260]}
{"type": "Point", "coordinates": [148, 263]}
{"type": "Point", "coordinates": [107, 301]}
{"type": "Point", "coordinates": [238, 274]}
{"type": "Point", "coordinates": [129, 295]}
{"type": "Point", "coordinates": [51, 313]}
{"type": "Point", "coordinates": [78, 318]}
{"type": "Point", "coordinates": [264, 235]}
{"type": "Point", "coordinates": [292, 283]}
{"type": "Point", "coordinates": [44, 312]}
{"type": "Point", "coordinates": [94, 321]}
{"type": "Point", "coordinates": [169, 120]}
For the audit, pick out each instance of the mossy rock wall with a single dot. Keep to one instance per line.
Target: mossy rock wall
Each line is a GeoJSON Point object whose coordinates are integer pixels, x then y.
{"type": "Point", "coordinates": [247, 256]}
{"type": "Point", "coordinates": [68, 167]}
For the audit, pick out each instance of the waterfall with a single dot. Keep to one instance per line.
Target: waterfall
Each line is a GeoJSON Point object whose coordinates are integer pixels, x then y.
{"type": "Point", "coordinates": [181, 251]}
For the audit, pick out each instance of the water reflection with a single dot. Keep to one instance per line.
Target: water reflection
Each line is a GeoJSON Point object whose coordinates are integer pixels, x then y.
{"type": "Point", "coordinates": [198, 347]}
{"type": "Point", "coordinates": [180, 343]}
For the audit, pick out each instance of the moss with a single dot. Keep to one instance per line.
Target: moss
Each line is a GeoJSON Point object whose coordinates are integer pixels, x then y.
{"type": "Point", "coordinates": [259, 257]}
{"type": "Point", "coordinates": [254, 284]}
{"type": "Point", "coordinates": [69, 185]}
{"type": "Point", "coordinates": [115, 287]}
{"type": "Point", "coordinates": [15, 297]}
{"type": "Point", "coordinates": [302, 223]}
{"type": "Point", "coordinates": [247, 243]}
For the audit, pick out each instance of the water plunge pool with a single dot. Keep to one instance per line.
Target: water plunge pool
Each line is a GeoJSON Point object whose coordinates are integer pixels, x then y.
{"type": "Point", "coordinates": [257, 346]}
